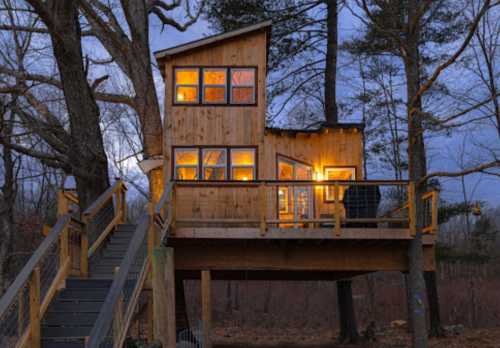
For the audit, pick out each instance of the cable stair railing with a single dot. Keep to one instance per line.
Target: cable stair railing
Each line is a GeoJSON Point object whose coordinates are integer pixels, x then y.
{"type": "Point", "coordinates": [64, 252]}
{"type": "Point", "coordinates": [133, 277]}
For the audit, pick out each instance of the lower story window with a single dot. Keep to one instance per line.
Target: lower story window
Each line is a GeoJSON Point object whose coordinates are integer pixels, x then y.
{"type": "Point", "coordinates": [186, 164]}
{"type": "Point", "coordinates": [243, 164]}
{"type": "Point", "coordinates": [338, 173]}
{"type": "Point", "coordinates": [215, 163]}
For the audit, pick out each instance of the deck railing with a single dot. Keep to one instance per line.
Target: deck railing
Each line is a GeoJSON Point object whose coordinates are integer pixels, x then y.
{"type": "Point", "coordinates": [304, 204]}
{"type": "Point", "coordinates": [62, 253]}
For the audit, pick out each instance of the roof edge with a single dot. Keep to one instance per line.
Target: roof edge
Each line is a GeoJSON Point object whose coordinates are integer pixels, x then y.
{"type": "Point", "coordinates": [168, 52]}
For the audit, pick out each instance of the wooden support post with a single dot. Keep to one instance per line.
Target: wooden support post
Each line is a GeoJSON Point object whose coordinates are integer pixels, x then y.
{"type": "Point", "coordinates": [263, 208]}
{"type": "Point", "coordinates": [173, 208]}
{"type": "Point", "coordinates": [34, 290]}
{"type": "Point", "coordinates": [151, 241]}
{"type": "Point", "coordinates": [150, 318]}
{"type": "Point", "coordinates": [412, 213]}
{"type": "Point", "coordinates": [164, 296]}
{"type": "Point", "coordinates": [119, 204]}
{"type": "Point", "coordinates": [435, 203]}
{"type": "Point", "coordinates": [64, 254]}
{"type": "Point", "coordinates": [84, 252]}
{"type": "Point", "coordinates": [206, 307]}
{"type": "Point", "coordinates": [336, 193]}
{"type": "Point", "coordinates": [20, 313]}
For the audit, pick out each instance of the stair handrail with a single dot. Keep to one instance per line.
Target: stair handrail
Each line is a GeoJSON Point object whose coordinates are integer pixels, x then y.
{"type": "Point", "coordinates": [30, 274]}
{"type": "Point", "coordinates": [156, 223]}
{"type": "Point", "coordinates": [107, 313]}
{"type": "Point", "coordinates": [116, 193]}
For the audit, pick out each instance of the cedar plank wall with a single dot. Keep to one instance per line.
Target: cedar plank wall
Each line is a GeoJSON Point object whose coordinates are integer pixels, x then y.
{"type": "Point", "coordinates": [217, 125]}
{"type": "Point", "coordinates": [244, 125]}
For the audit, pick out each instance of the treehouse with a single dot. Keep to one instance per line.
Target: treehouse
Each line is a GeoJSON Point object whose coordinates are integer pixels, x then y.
{"type": "Point", "coordinates": [238, 185]}
{"type": "Point", "coordinates": [232, 199]}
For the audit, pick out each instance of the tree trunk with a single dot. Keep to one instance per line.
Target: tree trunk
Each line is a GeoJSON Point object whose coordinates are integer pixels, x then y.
{"type": "Point", "coordinates": [347, 317]}
{"type": "Point", "coordinates": [417, 170]}
{"type": "Point", "coordinates": [331, 113]}
{"type": "Point", "coordinates": [433, 300]}
{"type": "Point", "coordinates": [7, 202]}
{"type": "Point", "coordinates": [88, 164]}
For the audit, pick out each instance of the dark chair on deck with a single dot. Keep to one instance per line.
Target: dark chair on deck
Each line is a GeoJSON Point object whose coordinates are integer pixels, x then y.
{"type": "Point", "coordinates": [361, 201]}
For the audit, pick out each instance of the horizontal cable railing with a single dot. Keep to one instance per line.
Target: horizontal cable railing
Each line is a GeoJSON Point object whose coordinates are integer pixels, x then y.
{"type": "Point", "coordinates": [28, 297]}
{"type": "Point", "coordinates": [64, 252]}
{"type": "Point", "coordinates": [300, 203]}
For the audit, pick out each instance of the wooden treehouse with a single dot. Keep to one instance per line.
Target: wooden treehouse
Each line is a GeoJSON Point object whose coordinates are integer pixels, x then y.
{"type": "Point", "coordinates": [232, 199]}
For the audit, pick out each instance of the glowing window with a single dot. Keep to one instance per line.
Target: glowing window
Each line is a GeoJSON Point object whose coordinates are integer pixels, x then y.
{"type": "Point", "coordinates": [243, 164]}
{"type": "Point", "coordinates": [186, 164]}
{"type": "Point", "coordinates": [186, 85]}
{"type": "Point", "coordinates": [338, 173]}
{"type": "Point", "coordinates": [214, 86]}
{"type": "Point", "coordinates": [214, 164]}
{"type": "Point", "coordinates": [243, 86]}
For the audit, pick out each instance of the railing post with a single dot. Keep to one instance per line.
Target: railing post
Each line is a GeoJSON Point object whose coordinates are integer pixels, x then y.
{"type": "Point", "coordinates": [64, 252]}
{"type": "Point", "coordinates": [412, 213]}
{"type": "Point", "coordinates": [84, 251]}
{"type": "Point", "coordinates": [119, 203]}
{"type": "Point", "coordinates": [263, 208]}
{"type": "Point", "coordinates": [151, 242]}
{"type": "Point", "coordinates": [124, 203]}
{"type": "Point", "coordinates": [435, 202]}
{"type": "Point", "coordinates": [118, 316]}
{"type": "Point", "coordinates": [336, 193]}
{"type": "Point", "coordinates": [34, 294]}
{"type": "Point", "coordinates": [62, 203]}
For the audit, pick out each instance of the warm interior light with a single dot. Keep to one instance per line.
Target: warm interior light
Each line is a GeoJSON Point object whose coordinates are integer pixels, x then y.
{"type": "Point", "coordinates": [180, 96]}
{"type": "Point", "coordinates": [244, 178]}
{"type": "Point", "coordinates": [318, 176]}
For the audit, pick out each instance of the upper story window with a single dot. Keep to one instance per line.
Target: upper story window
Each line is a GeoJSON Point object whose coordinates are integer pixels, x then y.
{"type": "Point", "coordinates": [186, 164]}
{"type": "Point", "coordinates": [215, 86]}
{"type": "Point", "coordinates": [243, 164]}
{"type": "Point", "coordinates": [186, 86]}
{"type": "Point", "coordinates": [214, 164]}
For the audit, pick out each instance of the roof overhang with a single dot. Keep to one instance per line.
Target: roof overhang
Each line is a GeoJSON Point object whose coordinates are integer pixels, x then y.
{"type": "Point", "coordinates": [171, 52]}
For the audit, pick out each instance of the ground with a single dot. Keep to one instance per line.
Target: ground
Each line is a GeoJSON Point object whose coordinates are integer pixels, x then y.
{"type": "Point", "coordinates": [387, 338]}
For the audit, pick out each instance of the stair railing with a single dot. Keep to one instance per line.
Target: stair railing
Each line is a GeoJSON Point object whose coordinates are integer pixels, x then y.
{"type": "Point", "coordinates": [24, 304]}
{"type": "Point", "coordinates": [100, 218]}
{"type": "Point", "coordinates": [119, 308]}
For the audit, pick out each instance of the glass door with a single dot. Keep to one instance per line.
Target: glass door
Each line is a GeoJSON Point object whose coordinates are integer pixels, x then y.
{"type": "Point", "coordinates": [295, 202]}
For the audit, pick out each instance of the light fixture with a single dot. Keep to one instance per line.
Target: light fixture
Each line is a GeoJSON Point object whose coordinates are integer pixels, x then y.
{"type": "Point", "coordinates": [245, 178]}
{"type": "Point", "coordinates": [318, 176]}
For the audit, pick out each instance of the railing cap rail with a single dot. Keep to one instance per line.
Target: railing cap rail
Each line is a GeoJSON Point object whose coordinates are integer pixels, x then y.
{"type": "Point", "coordinates": [278, 182]}
{"type": "Point", "coordinates": [103, 198]}
{"type": "Point", "coordinates": [23, 276]}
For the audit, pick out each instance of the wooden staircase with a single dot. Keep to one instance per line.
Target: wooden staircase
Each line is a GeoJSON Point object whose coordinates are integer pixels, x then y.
{"type": "Point", "coordinates": [73, 312]}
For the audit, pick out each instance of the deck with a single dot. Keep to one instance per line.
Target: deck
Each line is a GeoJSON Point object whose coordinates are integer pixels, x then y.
{"type": "Point", "coordinates": [240, 230]}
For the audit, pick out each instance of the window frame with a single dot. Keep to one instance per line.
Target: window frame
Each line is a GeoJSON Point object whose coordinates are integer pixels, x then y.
{"type": "Point", "coordinates": [326, 191]}
{"type": "Point", "coordinates": [203, 166]}
{"type": "Point", "coordinates": [175, 166]}
{"type": "Point", "coordinates": [200, 166]}
{"type": "Point", "coordinates": [231, 166]}
{"type": "Point", "coordinates": [203, 85]}
{"type": "Point", "coordinates": [228, 88]}
{"type": "Point", "coordinates": [176, 86]}
{"type": "Point", "coordinates": [253, 86]}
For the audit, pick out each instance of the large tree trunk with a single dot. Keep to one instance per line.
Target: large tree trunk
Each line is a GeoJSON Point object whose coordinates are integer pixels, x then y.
{"type": "Point", "coordinates": [417, 170]}
{"type": "Point", "coordinates": [331, 112]}
{"type": "Point", "coordinates": [89, 164]}
{"type": "Point", "coordinates": [347, 317]}
{"type": "Point", "coordinates": [433, 300]}
{"type": "Point", "coordinates": [7, 202]}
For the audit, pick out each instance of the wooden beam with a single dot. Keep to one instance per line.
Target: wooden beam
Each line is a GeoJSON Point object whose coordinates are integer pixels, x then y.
{"type": "Point", "coordinates": [336, 193]}
{"type": "Point", "coordinates": [332, 255]}
{"type": "Point", "coordinates": [34, 296]}
{"type": "Point", "coordinates": [84, 252]}
{"type": "Point", "coordinates": [164, 296]}
{"type": "Point", "coordinates": [206, 307]}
